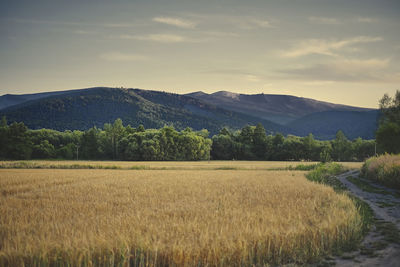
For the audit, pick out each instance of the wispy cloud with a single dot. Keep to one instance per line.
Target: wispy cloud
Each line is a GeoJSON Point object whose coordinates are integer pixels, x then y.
{"type": "Point", "coordinates": [220, 34]}
{"type": "Point", "coordinates": [326, 47]}
{"type": "Point", "coordinates": [324, 20]}
{"type": "Point", "coordinates": [70, 23]}
{"type": "Point", "coordinates": [118, 56]}
{"type": "Point", "coordinates": [366, 20]}
{"type": "Point", "coordinates": [84, 32]}
{"type": "Point", "coordinates": [242, 74]}
{"type": "Point", "coordinates": [161, 38]}
{"type": "Point", "coordinates": [350, 70]}
{"type": "Point", "coordinates": [251, 78]}
{"type": "Point", "coordinates": [243, 22]}
{"type": "Point", "coordinates": [177, 22]}
{"type": "Point", "coordinates": [262, 23]}
{"type": "Point", "coordinates": [247, 23]}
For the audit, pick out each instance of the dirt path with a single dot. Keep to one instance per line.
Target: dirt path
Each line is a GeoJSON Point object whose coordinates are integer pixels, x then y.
{"type": "Point", "coordinates": [381, 246]}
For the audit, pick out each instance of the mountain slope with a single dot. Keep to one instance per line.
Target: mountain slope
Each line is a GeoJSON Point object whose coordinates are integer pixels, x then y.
{"type": "Point", "coordinates": [325, 124]}
{"type": "Point", "coordinates": [9, 100]}
{"type": "Point", "coordinates": [82, 109]}
{"type": "Point", "coordinates": [85, 108]}
{"type": "Point", "coordinates": [281, 109]}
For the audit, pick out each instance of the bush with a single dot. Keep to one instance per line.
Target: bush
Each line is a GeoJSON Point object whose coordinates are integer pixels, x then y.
{"type": "Point", "coordinates": [384, 169]}
{"type": "Point", "coordinates": [324, 173]}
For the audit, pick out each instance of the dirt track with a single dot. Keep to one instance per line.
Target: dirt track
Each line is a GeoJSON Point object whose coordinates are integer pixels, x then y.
{"type": "Point", "coordinates": [376, 249]}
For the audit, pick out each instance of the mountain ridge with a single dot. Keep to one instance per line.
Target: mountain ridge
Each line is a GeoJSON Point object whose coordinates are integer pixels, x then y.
{"type": "Point", "coordinates": [85, 108]}
{"type": "Point", "coordinates": [95, 106]}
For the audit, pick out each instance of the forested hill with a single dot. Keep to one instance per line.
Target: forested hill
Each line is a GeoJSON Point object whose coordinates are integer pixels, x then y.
{"type": "Point", "coordinates": [281, 109]}
{"type": "Point", "coordinates": [82, 109]}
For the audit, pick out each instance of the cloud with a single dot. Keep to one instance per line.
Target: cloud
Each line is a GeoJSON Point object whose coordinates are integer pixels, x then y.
{"type": "Point", "coordinates": [181, 23]}
{"type": "Point", "coordinates": [366, 20]}
{"type": "Point", "coordinates": [118, 56]}
{"type": "Point", "coordinates": [233, 73]}
{"type": "Point", "coordinates": [324, 20]}
{"type": "Point", "coordinates": [220, 34]}
{"type": "Point", "coordinates": [248, 23]}
{"type": "Point", "coordinates": [84, 32]}
{"type": "Point", "coordinates": [161, 38]}
{"type": "Point", "coordinates": [350, 70]}
{"type": "Point", "coordinates": [251, 78]}
{"type": "Point", "coordinates": [70, 23]}
{"type": "Point", "coordinates": [326, 47]}
{"type": "Point", "coordinates": [243, 22]}
{"type": "Point", "coordinates": [263, 23]}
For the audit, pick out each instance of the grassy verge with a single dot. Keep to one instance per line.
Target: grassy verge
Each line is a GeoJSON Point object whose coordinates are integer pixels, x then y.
{"type": "Point", "coordinates": [367, 187]}
{"type": "Point", "coordinates": [324, 174]}
{"type": "Point", "coordinates": [99, 165]}
{"type": "Point", "coordinates": [384, 169]}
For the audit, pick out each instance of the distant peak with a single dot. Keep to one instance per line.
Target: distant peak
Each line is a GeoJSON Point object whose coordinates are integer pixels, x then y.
{"type": "Point", "coordinates": [226, 94]}
{"type": "Point", "coordinates": [197, 93]}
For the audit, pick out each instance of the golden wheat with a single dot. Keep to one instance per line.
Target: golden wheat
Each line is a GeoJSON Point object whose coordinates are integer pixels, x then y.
{"type": "Point", "coordinates": [185, 217]}
{"type": "Point", "coordinates": [164, 165]}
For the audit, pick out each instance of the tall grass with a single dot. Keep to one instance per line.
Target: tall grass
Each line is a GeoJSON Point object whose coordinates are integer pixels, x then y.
{"type": "Point", "coordinates": [384, 169]}
{"type": "Point", "coordinates": [324, 173]}
{"type": "Point", "coordinates": [177, 218]}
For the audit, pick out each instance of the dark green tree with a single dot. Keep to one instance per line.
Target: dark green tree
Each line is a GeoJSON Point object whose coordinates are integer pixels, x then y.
{"type": "Point", "coordinates": [89, 145]}
{"type": "Point", "coordinates": [18, 144]}
{"type": "Point", "coordinates": [340, 147]}
{"type": "Point", "coordinates": [259, 142]}
{"type": "Point", "coordinates": [388, 133]}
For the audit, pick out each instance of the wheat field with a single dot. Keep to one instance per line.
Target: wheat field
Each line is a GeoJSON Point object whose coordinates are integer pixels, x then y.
{"type": "Point", "coordinates": [169, 217]}
{"type": "Point", "coordinates": [164, 165]}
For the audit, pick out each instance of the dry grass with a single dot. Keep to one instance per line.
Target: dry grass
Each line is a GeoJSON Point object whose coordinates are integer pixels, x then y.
{"type": "Point", "coordinates": [384, 169]}
{"type": "Point", "coordinates": [163, 165]}
{"type": "Point", "coordinates": [187, 218]}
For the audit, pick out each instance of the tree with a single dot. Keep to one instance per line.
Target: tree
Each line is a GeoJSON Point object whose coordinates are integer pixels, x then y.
{"type": "Point", "coordinates": [259, 142]}
{"type": "Point", "coordinates": [18, 144]}
{"type": "Point", "coordinates": [90, 144]}
{"type": "Point", "coordinates": [388, 133]}
{"type": "Point", "coordinates": [114, 133]}
{"type": "Point", "coordinates": [3, 122]}
{"type": "Point", "coordinates": [44, 150]}
{"type": "Point", "coordinates": [325, 155]}
{"type": "Point", "coordinates": [340, 147]}
{"type": "Point", "coordinates": [222, 147]}
{"type": "Point", "coordinates": [309, 146]}
{"type": "Point", "coordinates": [388, 137]}
{"type": "Point", "coordinates": [277, 147]}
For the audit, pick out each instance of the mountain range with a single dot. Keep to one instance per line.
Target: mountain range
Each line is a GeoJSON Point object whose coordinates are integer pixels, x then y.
{"type": "Point", "coordinates": [85, 108]}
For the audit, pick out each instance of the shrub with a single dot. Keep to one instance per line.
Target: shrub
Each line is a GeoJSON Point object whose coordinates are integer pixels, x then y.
{"type": "Point", "coordinates": [384, 169]}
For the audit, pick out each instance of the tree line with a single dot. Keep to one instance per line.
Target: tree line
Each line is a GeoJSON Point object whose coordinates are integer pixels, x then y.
{"type": "Point", "coordinates": [113, 142]}
{"type": "Point", "coordinates": [251, 143]}
{"type": "Point", "coordinates": [118, 142]}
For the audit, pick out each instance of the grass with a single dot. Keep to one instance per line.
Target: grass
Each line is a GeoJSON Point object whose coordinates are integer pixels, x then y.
{"type": "Point", "coordinates": [384, 169]}
{"type": "Point", "coordinates": [171, 217]}
{"type": "Point", "coordinates": [324, 174]}
{"type": "Point", "coordinates": [389, 231]}
{"type": "Point", "coordinates": [167, 165]}
{"type": "Point", "coordinates": [367, 187]}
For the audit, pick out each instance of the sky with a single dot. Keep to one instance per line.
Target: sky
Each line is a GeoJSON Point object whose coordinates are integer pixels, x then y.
{"type": "Point", "coordinates": [340, 51]}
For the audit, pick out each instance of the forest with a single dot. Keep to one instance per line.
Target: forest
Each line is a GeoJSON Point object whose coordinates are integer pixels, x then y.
{"type": "Point", "coordinates": [118, 142]}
